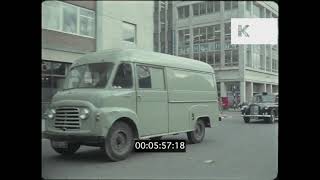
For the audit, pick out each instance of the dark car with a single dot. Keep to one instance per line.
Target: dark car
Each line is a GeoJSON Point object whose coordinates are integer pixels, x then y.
{"type": "Point", "coordinates": [263, 107]}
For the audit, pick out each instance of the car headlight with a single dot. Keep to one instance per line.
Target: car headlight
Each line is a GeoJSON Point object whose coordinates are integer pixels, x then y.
{"type": "Point", "coordinates": [84, 113]}
{"type": "Point", "coordinates": [51, 113]}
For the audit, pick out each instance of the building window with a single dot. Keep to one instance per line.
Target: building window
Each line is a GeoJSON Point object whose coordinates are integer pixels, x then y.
{"type": "Point", "coordinates": [217, 6]}
{"type": "Point", "coordinates": [203, 57]}
{"type": "Point", "coordinates": [227, 31]}
{"type": "Point", "coordinates": [274, 58]}
{"type": "Point", "coordinates": [51, 15]}
{"type": "Point", "coordinates": [248, 6]}
{"type": "Point", "coordinates": [231, 54]}
{"type": "Point", "coordinates": [184, 43]}
{"type": "Point", "coordinates": [183, 12]}
{"type": "Point", "coordinates": [234, 4]}
{"type": "Point", "coordinates": [256, 10]}
{"type": "Point", "coordinates": [67, 18]}
{"type": "Point", "coordinates": [249, 58]}
{"type": "Point", "coordinates": [206, 44]}
{"type": "Point", "coordinates": [268, 64]}
{"type": "Point", "coordinates": [196, 35]}
{"type": "Point", "coordinates": [262, 62]}
{"type": "Point", "coordinates": [202, 8]}
{"type": "Point", "coordinates": [235, 57]}
{"type": "Point", "coordinates": [274, 65]}
{"type": "Point", "coordinates": [227, 5]}
{"type": "Point", "coordinates": [256, 57]}
{"type": "Point", "coordinates": [210, 34]}
{"type": "Point", "coordinates": [86, 22]}
{"type": "Point", "coordinates": [70, 19]}
{"type": "Point", "coordinates": [203, 35]}
{"type": "Point", "coordinates": [227, 55]}
{"type": "Point", "coordinates": [196, 8]}
{"type": "Point", "coordinates": [268, 14]}
{"type": "Point", "coordinates": [128, 32]}
{"type": "Point", "coordinates": [209, 7]}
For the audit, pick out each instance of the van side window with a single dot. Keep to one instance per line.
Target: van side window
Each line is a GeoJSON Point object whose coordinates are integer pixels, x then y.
{"type": "Point", "coordinates": [150, 77]}
{"type": "Point", "coordinates": [144, 76]}
{"type": "Point", "coordinates": [123, 78]}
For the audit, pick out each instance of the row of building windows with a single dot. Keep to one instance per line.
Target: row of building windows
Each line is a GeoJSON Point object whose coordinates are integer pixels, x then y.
{"type": "Point", "coordinates": [67, 18]}
{"type": "Point", "coordinates": [258, 58]}
{"type": "Point", "coordinates": [204, 8]}
{"type": "Point", "coordinates": [258, 10]}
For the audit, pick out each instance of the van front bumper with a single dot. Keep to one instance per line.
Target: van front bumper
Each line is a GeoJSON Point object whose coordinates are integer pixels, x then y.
{"type": "Point", "coordinates": [72, 137]}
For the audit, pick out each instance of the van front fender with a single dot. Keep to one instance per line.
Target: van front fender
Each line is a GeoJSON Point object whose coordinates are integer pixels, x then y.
{"type": "Point", "coordinates": [108, 116]}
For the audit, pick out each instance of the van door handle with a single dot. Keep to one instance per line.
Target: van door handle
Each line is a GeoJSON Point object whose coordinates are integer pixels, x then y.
{"type": "Point", "coordinates": [139, 96]}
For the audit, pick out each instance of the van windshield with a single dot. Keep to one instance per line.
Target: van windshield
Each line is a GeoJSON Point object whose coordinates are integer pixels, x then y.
{"type": "Point", "coordinates": [95, 75]}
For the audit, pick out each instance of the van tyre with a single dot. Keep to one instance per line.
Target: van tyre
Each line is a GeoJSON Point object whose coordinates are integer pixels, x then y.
{"type": "Point", "coordinates": [198, 134]}
{"type": "Point", "coordinates": [246, 119]}
{"type": "Point", "coordinates": [71, 149]}
{"type": "Point", "coordinates": [119, 142]}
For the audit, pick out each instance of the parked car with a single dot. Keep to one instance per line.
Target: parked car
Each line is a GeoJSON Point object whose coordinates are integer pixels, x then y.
{"type": "Point", "coordinates": [263, 107]}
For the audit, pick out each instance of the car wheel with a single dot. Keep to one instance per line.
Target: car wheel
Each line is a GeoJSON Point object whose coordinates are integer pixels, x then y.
{"type": "Point", "coordinates": [246, 119]}
{"type": "Point", "coordinates": [271, 119]}
{"type": "Point", "coordinates": [119, 142]}
{"type": "Point", "coordinates": [198, 134]}
{"type": "Point", "coordinates": [69, 150]}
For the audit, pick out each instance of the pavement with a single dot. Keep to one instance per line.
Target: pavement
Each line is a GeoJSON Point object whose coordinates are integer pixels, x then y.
{"type": "Point", "coordinates": [231, 150]}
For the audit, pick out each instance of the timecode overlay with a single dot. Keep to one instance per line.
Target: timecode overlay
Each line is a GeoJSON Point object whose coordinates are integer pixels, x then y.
{"type": "Point", "coordinates": [160, 146]}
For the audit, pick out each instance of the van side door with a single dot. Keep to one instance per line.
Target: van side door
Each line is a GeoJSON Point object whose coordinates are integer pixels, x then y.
{"type": "Point", "coordinates": [152, 100]}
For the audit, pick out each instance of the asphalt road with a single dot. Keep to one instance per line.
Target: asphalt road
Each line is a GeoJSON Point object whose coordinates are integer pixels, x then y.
{"type": "Point", "coordinates": [236, 150]}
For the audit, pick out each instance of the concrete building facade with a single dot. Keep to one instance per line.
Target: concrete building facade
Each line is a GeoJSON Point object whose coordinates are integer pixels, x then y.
{"type": "Point", "coordinates": [163, 30]}
{"type": "Point", "coordinates": [71, 29]}
{"type": "Point", "coordinates": [202, 32]}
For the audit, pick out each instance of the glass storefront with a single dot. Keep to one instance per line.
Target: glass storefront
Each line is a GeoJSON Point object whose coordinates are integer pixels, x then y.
{"type": "Point", "coordinates": [52, 78]}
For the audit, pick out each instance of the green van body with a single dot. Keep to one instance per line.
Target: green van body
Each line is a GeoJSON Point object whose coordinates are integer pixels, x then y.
{"type": "Point", "coordinates": [187, 92]}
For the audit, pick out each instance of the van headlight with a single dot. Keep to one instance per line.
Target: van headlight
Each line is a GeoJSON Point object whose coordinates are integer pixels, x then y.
{"type": "Point", "coordinates": [51, 113]}
{"type": "Point", "coordinates": [84, 113]}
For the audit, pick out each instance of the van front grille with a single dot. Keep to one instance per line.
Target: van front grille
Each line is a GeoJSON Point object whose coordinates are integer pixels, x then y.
{"type": "Point", "coordinates": [67, 118]}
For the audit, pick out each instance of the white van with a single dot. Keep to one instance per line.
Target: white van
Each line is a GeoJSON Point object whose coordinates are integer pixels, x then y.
{"type": "Point", "coordinates": [112, 97]}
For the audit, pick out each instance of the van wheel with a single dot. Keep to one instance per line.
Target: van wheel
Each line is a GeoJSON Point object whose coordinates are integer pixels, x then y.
{"type": "Point", "coordinates": [69, 150]}
{"type": "Point", "coordinates": [197, 135]}
{"type": "Point", "coordinates": [119, 142]}
{"type": "Point", "coordinates": [246, 119]}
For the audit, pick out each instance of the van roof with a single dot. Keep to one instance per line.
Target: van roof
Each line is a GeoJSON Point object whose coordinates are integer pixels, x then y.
{"type": "Point", "coordinates": [141, 56]}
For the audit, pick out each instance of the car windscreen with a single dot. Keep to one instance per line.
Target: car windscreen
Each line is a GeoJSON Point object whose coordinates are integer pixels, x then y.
{"type": "Point", "coordinates": [268, 98]}
{"type": "Point", "coordinates": [94, 75]}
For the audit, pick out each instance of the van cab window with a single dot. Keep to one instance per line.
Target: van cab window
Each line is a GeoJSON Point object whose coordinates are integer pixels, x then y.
{"type": "Point", "coordinates": [123, 78]}
{"type": "Point", "coordinates": [93, 75]}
